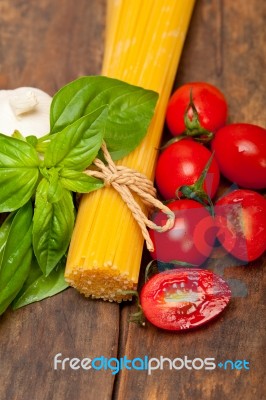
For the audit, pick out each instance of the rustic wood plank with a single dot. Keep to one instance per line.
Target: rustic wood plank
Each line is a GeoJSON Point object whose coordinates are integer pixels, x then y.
{"type": "Point", "coordinates": [47, 44]}
{"type": "Point", "coordinates": [225, 46]}
{"type": "Point", "coordinates": [68, 324]}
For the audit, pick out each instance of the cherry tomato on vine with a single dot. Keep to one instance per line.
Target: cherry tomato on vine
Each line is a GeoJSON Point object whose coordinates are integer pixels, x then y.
{"type": "Point", "coordinates": [192, 237]}
{"type": "Point", "coordinates": [182, 163]}
{"type": "Point", "coordinates": [184, 298]}
{"type": "Point", "coordinates": [209, 102]}
{"type": "Point", "coordinates": [241, 219]}
{"type": "Point", "coordinates": [240, 150]}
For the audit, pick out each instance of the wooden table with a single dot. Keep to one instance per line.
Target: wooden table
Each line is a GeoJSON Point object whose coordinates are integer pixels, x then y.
{"type": "Point", "coordinates": [46, 44]}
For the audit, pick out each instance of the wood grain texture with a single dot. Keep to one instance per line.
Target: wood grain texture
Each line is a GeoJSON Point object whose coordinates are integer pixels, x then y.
{"type": "Point", "coordinates": [47, 44]}
{"type": "Point", "coordinates": [225, 47]}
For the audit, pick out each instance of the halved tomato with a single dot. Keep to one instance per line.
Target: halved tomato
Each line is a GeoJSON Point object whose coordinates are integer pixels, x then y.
{"type": "Point", "coordinates": [241, 224]}
{"type": "Point", "coordinates": [184, 298]}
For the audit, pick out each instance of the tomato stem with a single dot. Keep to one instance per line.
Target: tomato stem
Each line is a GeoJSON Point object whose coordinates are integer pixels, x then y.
{"type": "Point", "coordinates": [150, 269]}
{"type": "Point", "coordinates": [157, 266]}
{"type": "Point", "coordinates": [193, 126]}
{"type": "Point", "coordinates": [196, 191]}
{"type": "Point", "coordinates": [173, 140]}
{"type": "Point", "coordinates": [174, 264]}
{"type": "Point", "coordinates": [138, 316]}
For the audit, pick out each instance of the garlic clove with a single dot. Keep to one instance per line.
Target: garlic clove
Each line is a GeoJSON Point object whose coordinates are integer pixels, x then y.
{"type": "Point", "coordinates": [25, 109]}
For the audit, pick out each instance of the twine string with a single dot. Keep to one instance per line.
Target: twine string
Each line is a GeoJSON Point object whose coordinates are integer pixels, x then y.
{"type": "Point", "coordinates": [127, 181]}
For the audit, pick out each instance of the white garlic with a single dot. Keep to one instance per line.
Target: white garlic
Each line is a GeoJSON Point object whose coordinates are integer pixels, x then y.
{"type": "Point", "coordinates": [25, 109]}
{"type": "Point", "coordinates": [23, 102]}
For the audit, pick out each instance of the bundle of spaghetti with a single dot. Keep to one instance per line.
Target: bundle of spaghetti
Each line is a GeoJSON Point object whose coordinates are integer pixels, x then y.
{"type": "Point", "coordinates": [143, 47]}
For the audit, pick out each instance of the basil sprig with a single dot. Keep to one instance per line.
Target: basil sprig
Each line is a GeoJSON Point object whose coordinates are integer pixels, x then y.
{"type": "Point", "coordinates": [130, 109]}
{"type": "Point", "coordinates": [83, 114]}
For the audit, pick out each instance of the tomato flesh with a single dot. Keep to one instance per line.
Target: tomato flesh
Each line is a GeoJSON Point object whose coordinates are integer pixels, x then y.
{"type": "Point", "coordinates": [184, 298]}
{"type": "Point", "coordinates": [240, 150]}
{"type": "Point", "coordinates": [192, 237]}
{"type": "Point", "coordinates": [241, 222]}
{"type": "Point", "coordinates": [182, 163]}
{"type": "Point", "coordinates": [210, 104]}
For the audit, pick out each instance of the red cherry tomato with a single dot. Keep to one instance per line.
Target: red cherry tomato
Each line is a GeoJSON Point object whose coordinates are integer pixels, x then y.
{"type": "Point", "coordinates": [210, 104]}
{"type": "Point", "coordinates": [241, 219]}
{"type": "Point", "coordinates": [192, 237]}
{"type": "Point", "coordinates": [184, 298]}
{"type": "Point", "coordinates": [181, 164]}
{"type": "Point", "coordinates": [240, 150]}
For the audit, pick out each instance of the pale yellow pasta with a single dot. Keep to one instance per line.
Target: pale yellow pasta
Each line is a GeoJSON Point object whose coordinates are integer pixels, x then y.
{"type": "Point", "coordinates": [143, 47]}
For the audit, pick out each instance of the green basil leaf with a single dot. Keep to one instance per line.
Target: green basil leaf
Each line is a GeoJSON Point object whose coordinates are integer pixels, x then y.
{"type": "Point", "coordinates": [34, 273]}
{"type": "Point", "coordinates": [52, 227]}
{"type": "Point", "coordinates": [16, 257]}
{"type": "Point", "coordinates": [79, 181]}
{"type": "Point", "coordinates": [4, 232]}
{"type": "Point", "coordinates": [33, 140]}
{"type": "Point", "coordinates": [19, 172]}
{"type": "Point", "coordinates": [55, 190]}
{"type": "Point", "coordinates": [77, 145]}
{"type": "Point", "coordinates": [11, 289]}
{"type": "Point", "coordinates": [42, 286]}
{"type": "Point", "coordinates": [17, 135]}
{"type": "Point", "coordinates": [130, 109]}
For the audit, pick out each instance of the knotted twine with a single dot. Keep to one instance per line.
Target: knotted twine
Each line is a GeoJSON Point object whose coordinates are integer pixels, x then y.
{"type": "Point", "coordinates": [127, 181]}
